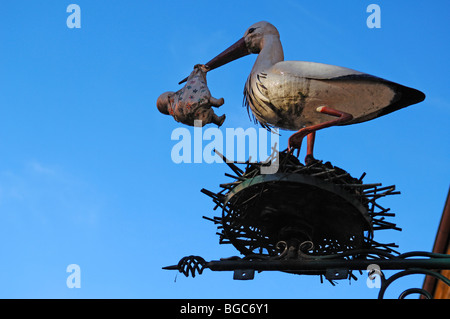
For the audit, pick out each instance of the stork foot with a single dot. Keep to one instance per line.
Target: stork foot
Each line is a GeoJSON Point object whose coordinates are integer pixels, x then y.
{"type": "Point", "coordinates": [295, 141]}
{"type": "Point", "coordinates": [309, 160]}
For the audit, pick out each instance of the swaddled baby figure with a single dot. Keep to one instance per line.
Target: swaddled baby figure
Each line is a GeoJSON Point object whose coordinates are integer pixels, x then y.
{"type": "Point", "coordinates": [193, 102]}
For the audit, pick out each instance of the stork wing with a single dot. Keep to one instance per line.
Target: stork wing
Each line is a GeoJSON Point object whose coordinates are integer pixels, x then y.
{"type": "Point", "coordinates": [336, 75]}
{"type": "Point", "coordinates": [313, 70]}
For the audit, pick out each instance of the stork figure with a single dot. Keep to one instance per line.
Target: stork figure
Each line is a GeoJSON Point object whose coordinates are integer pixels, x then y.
{"type": "Point", "coordinates": [308, 96]}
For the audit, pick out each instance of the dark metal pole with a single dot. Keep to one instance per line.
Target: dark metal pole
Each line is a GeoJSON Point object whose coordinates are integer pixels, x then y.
{"type": "Point", "coordinates": [323, 265]}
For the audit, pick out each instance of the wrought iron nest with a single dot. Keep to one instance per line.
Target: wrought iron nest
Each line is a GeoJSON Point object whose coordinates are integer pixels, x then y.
{"type": "Point", "coordinates": [317, 209]}
{"type": "Point", "coordinates": [315, 219]}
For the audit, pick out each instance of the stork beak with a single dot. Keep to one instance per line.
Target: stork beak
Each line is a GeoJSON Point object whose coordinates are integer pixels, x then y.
{"type": "Point", "coordinates": [234, 52]}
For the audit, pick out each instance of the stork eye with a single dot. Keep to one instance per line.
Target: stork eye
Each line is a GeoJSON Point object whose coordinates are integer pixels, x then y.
{"type": "Point", "coordinates": [251, 30]}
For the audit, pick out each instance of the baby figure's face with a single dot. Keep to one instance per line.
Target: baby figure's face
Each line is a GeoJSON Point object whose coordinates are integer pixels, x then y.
{"type": "Point", "coordinates": [163, 102]}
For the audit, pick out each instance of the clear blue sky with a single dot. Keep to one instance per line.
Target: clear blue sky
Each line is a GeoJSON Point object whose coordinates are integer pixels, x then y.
{"type": "Point", "coordinates": [86, 175]}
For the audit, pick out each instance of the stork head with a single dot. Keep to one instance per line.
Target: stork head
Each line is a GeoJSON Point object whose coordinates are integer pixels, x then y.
{"type": "Point", "coordinates": [251, 42]}
{"type": "Point", "coordinates": [255, 35]}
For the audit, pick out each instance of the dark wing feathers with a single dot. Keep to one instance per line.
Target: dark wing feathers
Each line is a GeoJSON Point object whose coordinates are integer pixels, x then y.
{"type": "Point", "coordinates": [250, 100]}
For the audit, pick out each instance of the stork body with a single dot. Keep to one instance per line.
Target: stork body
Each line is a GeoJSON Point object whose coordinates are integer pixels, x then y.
{"type": "Point", "coordinates": [308, 96]}
{"type": "Point", "coordinates": [287, 94]}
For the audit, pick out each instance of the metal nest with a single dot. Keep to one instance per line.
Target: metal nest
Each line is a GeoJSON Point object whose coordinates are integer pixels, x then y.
{"type": "Point", "coordinates": [307, 219]}
{"type": "Point", "coordinates": [299, 211]}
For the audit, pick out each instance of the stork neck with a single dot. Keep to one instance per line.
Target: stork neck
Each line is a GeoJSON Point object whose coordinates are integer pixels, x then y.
{"type": "Point", "coordinates": [271, 53]}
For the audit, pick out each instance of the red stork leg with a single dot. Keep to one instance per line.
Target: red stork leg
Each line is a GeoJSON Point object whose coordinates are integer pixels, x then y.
{"type": "Point", "coordinates": [295, 141]}
{"type": "Point", "coordinates": [311, 138]}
